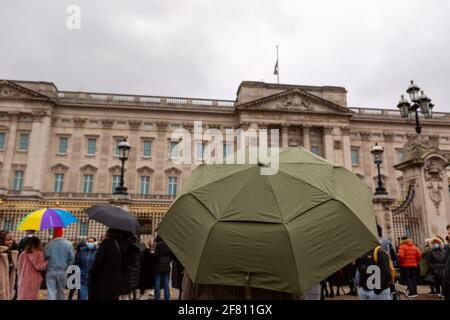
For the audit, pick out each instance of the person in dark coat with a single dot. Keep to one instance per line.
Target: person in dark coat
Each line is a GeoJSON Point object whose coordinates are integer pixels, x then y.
{"type": "Point", "coordinates": [147, 273]}
{"type": "Point", "coordinates": [108, 269]}
{"type": "Point", "coordinates": [163, 257]}
{"type": "Point", "coordinates": [130, 250]}
{"type": "Point", "coordinates": [85, 259]}
{"type": "Point", "coordinates": [436, 259]}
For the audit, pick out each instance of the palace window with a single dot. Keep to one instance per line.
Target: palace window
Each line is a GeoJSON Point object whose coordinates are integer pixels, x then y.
{"type": "Point", "coordinates": [63, 143]}
{"type": "Point", "coordinates": [355, 156]}
{"type": "Point", "coordinates": [2, 140]}
{"type": "Point", "coordinates": [116, 149]}
{"type": "Point", "coordinates": [18, 180]}
{"type": "Point", "coordinates": [115, 182]}
{"type": "Point", "coordinates": [147, 148]}
{"type": "Point", "coordinates": [91, 146]}
{"type": "Point", "coordinates": [172, 186]}
{"type": "Point", "coordinates": [59, 182]}
{"type": "Point", "coordinates": [174, 150]}
{"type": "Point", "coordinates": [200, 147]}
{"type": "Point", "coordinates": [88, 181]}
{"type": "Point", "coordinates": [23, 142]}
{"type": "Point", "coordinates": [226, 150]}
{"type": "Point", "coordinates": [144, 185]}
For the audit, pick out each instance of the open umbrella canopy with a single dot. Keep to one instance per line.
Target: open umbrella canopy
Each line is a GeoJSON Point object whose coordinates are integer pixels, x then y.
{"type": "Point", "coordinates": [114, 217]}
{"type": "Point", "coordinates": [284, 232]}
{"type": "Point", "coordinates": [46, 219]}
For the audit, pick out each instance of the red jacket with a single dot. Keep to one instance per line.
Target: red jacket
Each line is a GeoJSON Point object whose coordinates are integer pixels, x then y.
{"type": "Point", "coordinates": [408, 254]}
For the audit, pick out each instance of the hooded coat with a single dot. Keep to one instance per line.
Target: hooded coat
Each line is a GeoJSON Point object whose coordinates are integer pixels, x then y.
{"type": "Point", "coordinates": [408, 254]}
{"type": "Point", "coordinates": [30, 267]}
{"type": "Point", "coordinates": [8, 269]}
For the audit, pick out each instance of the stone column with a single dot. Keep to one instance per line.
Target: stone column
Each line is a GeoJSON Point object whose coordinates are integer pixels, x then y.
{"type": "Point", "coordinates": [161, 155]}
{"type": "Point", "coordinates": [37, 155]}
{"type": "Point", "coordinates": [382, 205]}
{"type": "Point", "coordinates": [425, 168]}
{"type": "Point", "coordinates": [306, 137]}
{"type": "Point", "coordinates": [346, 147]}
{"type": "Point", "coordinates": [366, 158]}
{"type": "Point", "coordinates": [390, 162]}
{"type": "Point", "coordinates": [10, 149]}
{"type": "Point", "coordinates": [284, 136]}
{"type": "Point", "coordinates": [328, 143]}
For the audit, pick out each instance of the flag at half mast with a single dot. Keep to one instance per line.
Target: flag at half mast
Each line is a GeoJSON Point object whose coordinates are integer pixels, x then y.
{"type": "Point", "coordinates": [276, 70]}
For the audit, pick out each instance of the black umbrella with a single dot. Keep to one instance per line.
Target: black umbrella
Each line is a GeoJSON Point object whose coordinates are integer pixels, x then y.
{"type": "Point", "coordinates": [114, 218]}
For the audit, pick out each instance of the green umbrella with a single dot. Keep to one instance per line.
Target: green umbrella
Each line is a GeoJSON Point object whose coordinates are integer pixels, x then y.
{"type": "Point", "coordinates": [284, 232]}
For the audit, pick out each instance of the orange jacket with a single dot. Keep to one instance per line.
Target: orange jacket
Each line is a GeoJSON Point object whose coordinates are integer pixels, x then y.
{"type": "Point", "coordinates": [408, 254]}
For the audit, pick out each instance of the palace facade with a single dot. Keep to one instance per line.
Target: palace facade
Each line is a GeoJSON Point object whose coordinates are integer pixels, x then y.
{"type": "Point", "coordinates": [59, 148]}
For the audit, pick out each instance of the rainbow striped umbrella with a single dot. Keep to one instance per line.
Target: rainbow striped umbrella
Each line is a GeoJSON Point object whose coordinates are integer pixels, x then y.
{"type": "Point", "coordinates": [46, 219]}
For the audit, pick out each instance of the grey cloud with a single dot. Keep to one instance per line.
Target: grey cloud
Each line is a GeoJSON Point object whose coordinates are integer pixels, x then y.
{"type": "Point", "coordinates": [205, 48]}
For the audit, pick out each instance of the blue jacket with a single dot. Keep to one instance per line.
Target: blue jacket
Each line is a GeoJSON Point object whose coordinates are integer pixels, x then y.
{"type": "Point", "coordinates": [85, 260]}
{"type": "Point", "coordinates": [59, 254]}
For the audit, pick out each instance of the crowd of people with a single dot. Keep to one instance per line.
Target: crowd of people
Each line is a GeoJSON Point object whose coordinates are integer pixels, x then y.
{"type": "Point", "coordinates": [119, 267]}
{"type": "Point", "coordinates": [122, 268]}
{"type": "Point", "coordinates": [408, 263]}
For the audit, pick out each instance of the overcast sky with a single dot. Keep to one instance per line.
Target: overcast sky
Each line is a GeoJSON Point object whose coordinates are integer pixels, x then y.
{"type": "Point", "coordinates": [205, 48]}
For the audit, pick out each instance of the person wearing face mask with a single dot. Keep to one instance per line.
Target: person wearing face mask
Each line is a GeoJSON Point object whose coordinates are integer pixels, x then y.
{"type": "Point", "coordinates": [437, 259]}
{"type": "Point", "coordinates": [85, 259]}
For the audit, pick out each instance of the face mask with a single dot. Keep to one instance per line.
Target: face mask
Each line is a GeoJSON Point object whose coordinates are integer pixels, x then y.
{"type": "Point", "coordinates": [436, 246]}
{"type": "Point", "coordinates": [90, 245]}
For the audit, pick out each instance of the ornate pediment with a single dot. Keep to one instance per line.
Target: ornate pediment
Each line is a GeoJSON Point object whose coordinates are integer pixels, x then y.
{"type": "Point", "coordinates": [145, 170]}
{"type": "Point", "coordinates": [173, 171]}
{"type": "Point", "coordinates": [11, 90]}
{"type": "Point", "coordinates": [294, 100]}
{"type": "Point", "coordinates": [88, 169]}
{"type": "Point", "coordinates": [59, 167]}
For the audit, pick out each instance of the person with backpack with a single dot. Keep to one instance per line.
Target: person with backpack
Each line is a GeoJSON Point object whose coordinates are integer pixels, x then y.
{"type": "Point", "coordinates": [409, 257]}
{"type": "Point", "coordinates": [370, 288]}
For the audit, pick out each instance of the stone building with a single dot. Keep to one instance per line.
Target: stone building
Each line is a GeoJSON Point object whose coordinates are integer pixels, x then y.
{"type": "Point", "coordinates": [58, 148]}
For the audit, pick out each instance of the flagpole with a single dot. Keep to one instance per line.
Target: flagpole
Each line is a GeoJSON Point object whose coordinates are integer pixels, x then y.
{"type": "Point", "coordinates": [278, 73]}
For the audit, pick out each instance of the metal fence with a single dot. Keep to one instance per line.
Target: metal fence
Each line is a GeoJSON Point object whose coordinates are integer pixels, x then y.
{"type": "Point", "coordinates": [405, 220]}
{"type": "Point", "coordinates": [12, 214]}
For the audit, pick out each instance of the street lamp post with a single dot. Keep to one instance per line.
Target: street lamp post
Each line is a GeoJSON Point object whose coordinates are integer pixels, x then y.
{"type": "Point", "coordinates": [377, 152]}
{"type": "Point", "coordinates": [418, 103]}
{"type": "Point", "coordinates": [124, 150]}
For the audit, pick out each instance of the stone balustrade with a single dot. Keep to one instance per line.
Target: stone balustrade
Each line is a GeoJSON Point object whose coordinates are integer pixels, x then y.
{"type": "Point", "coordinates": [136, 99]}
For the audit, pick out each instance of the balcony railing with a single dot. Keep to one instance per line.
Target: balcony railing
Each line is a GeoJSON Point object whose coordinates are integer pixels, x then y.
{"type": "Point", "coordinates": [389, 112]}
{"type": "Point", "coordinates": [81, 195]}
{"type": "Point", "coordinates": [142, 100]}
